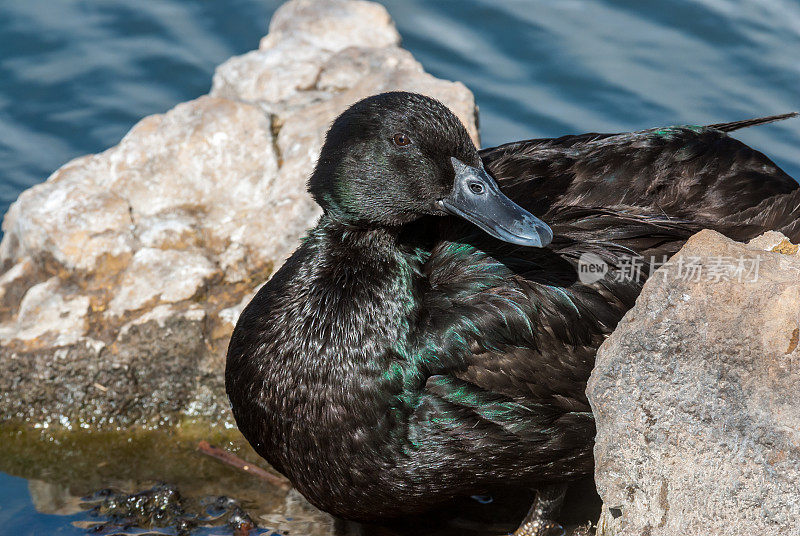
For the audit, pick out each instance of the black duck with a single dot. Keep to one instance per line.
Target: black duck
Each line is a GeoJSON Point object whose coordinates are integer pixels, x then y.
{"type": "Point", "coordinates": [430, 338]}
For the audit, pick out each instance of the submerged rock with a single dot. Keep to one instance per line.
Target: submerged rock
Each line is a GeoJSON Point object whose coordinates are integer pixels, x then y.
{"type": "Point", "coordinates": [121, 276]}
{"type": "Point", "coordinates": [162, 506]}
{"type": "Point", "coordinates": [697, 396]}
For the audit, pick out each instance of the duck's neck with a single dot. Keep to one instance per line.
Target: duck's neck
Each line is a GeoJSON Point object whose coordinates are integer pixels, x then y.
{"type": "Point", "coordinates": [362, 287]}
{"type": "Point", "coordinates": [338, 314]}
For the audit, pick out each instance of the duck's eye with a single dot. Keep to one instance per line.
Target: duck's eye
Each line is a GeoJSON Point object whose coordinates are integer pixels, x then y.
{"type": "Point", "coordinates": [476, 187]}
{"type": "Point", "coordinates": [401, 139]}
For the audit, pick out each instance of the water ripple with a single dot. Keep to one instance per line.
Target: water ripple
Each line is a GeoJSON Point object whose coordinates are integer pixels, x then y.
{"type": "Point", "coordinates": [75, 76]}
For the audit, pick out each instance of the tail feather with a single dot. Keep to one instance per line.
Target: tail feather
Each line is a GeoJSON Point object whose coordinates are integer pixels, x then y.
{"type": "Point", "coordinates": [736, 125]}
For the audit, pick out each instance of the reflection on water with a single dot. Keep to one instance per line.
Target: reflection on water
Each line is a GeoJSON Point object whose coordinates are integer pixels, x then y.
{"type": "Point", "coordinates": [75, 481]}
{"type": "Point", "coordinates": [65, 472]}
{"type": "Point", "coordinates": [53, 499]}
{"type": "Point", "coordinates": [70, 482]}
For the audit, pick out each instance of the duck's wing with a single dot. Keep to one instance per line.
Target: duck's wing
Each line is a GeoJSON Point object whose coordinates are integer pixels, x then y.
{"type": "Point", "coordinates": [686, 172]}
{"type": "Point", "coordinates": [523, 318]}
{"type": "Point", "coordinates": [499, 439]}
{"type": "Point", "coordinates": [745, 123]}
{"type": "Point", "coordinates": [512, 333]}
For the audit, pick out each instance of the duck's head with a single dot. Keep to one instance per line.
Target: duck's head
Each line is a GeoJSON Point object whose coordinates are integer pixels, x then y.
{"type": "Point", "coordinates": [395, 157]}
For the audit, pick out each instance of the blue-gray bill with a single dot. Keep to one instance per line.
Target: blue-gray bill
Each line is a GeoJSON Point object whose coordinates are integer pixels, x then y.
{"type": "Point", "coordinates": [477, 198]}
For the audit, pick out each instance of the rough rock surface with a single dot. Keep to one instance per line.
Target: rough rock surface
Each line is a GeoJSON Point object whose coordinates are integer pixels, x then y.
{"type": "Point", "coordinates": [122, 275]}
{"type": "Point", "coordinates": [697, 396]}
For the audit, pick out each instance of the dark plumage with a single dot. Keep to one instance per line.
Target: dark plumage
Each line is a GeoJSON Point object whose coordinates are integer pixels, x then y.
{"type": "Point", "coordinates": [402, 356]}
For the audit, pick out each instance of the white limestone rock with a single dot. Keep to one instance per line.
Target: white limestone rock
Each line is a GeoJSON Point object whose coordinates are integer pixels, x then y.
{"type": "Point", "coordinates": [194, 208]}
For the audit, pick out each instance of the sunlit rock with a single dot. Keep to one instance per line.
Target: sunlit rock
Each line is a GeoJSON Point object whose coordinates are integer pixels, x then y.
{"type": "Point", "coordinates": [697, 396]}
{"type": "Point", "coordinates": [48, 309]}
{"type": "Point", "coordinates": [157, 276]}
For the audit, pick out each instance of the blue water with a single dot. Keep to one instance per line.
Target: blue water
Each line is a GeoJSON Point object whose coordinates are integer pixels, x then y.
{"type": "Point", "coordinates": [18, 516]}
{"type": "Point", "coordinates": [76, 75]}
